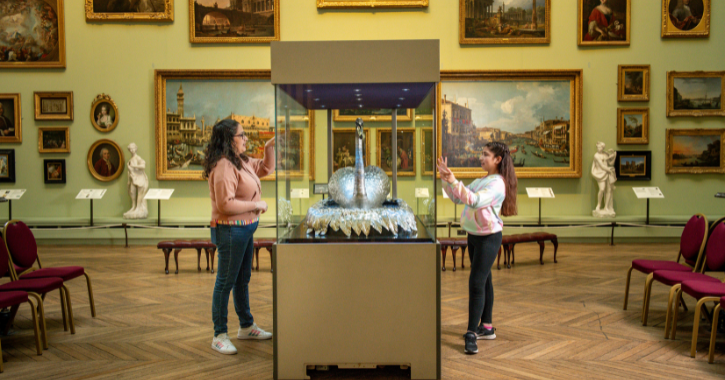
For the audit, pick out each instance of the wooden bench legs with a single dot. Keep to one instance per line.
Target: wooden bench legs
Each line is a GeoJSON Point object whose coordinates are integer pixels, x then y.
{"type": "Point", "coordinates": [209, 253]}
{"type": "Point", "coordinates": [256, 257]}
{"type": "Point", "coordinates": [454, 250]}
{"type": "Point", "coordinates": [510, 252]}
{"type": "Point", "coordinates": [167, 252]}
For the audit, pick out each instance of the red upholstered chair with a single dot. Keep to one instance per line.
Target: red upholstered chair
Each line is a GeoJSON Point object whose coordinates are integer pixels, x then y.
{"type": "Point", "coordinates": [713, 332]}
{"type": "Point", "coordinates": [692, 244]}
{"type": "Point", "coordinates": [13, 301]}
{"type": "Point", "coordinates": [703, 292]}
{"type": "Point", "coordinates": [692, 248]}
{"type": "Point", "coordinates": [24, 254]}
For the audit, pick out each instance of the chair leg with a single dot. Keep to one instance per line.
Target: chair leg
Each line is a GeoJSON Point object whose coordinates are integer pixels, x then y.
{"type": "Point", "coordinates": [555, 242]}
{"type": "Point", "coordinates": [2, 369]}
{"type": "Point", "coordinates": [90, 295]}
{"type": "Point", "coordinates": [206, 252]}
{"type": "Point", "coordinates": [463, 256]}
{"type": "Point", "coordinates": [70, 310]}
{"type": "Point", "coordinates": [213, 252]}
{"type": "Point", "coordinates": [513, 254]}
{"type": "Point", "coordinates": [444, 250]}
{"type": "Point", "coordinates": [176, 259]}
{"type": "Point", "coordinates": [167, 253]}
{"type": "Point", "coordinates": [256, 256]}
{"type": "Point", "coordinates": [33, 313]}
{"type": "Point", "coordinates": [696, 324]}
{"type": "Point", "coordinates": [645, 302]}
{"type": "Point", "coordinates": [454, 250]}
{"type": "Point", "coordinates": [676, 316]}
{"type": "Point", "coordinates": [670, 302]}
{"type": "Point", "coordinates": [713, 333]}
{"type": "Point", "coordinates": [198, 259]}
{"type": "Point", "coordinates": [63, 310]}
{"type": "Point", "coordinates": [541, 252]}
{"type": "Point", "coordinates": [626, 288]}
{"type": "Point", "coordinates": [41, 315]}
{"type": "Point", "coordinates": [498, 266]}
{"type": "Point", "coordinates": [271, 264]}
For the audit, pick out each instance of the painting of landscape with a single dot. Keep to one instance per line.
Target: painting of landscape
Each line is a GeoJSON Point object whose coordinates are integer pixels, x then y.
{"type": "Point", "coordinates": [695, 151]}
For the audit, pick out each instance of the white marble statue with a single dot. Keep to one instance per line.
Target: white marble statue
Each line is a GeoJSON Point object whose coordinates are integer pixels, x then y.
{"type": "Point", "coordinates": [138, 185]}
{"type": "Point", "coordinates": [603, 172]}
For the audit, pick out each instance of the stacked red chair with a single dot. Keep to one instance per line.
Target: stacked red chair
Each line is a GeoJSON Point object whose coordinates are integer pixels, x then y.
{"type": "Point", "coordinates": [13, 300]}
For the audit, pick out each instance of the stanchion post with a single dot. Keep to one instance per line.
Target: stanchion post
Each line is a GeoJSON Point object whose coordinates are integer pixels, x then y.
{"type": "Point", "coordinates": [539, 211]}
{"type": "Point", "coordinates": [10, 209]}
{"type": "Point", "coordinates": [614, 224]}
{"type": "Point", "coordinates": [647, 222]}
{"type": "Point", "coordinates": [159, 214]}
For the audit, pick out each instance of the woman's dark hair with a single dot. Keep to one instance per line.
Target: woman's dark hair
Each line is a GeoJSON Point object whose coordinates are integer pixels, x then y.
{"type": "Point", "coordinates": [222, 145]}
{"type": "Point", "coordinates": [508, 172]}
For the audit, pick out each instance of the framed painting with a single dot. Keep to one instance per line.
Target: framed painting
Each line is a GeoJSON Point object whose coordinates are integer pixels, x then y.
{"type": "Point", "coordinates": [105, 160]}
{"type": "Point", "coordinates": [695, 151]}
{"type": "Point", "coordinates": [104, 113]}
{"type": "Point", "coordinates": [383, 114]}
{"type": "Point", "coordinates": [633, 83]}
{"type": "Point", "coordinates": [405, 156]}
{"type": "Point", "coordinates": [53, 105]}
{"type": "Point", "coordinates": [54, 171]}
{"type": "Point", "coordinates": [426, 148]}
{"type": "Point", "coordinates": [11, 130]}
{"type": "Point", "coordinates": [632, 125]}
{"type": "Point", "coordinates": [138, 10]}
{"type": "Point", "coordinates": [484, 22]}
{"type": "Point", "coordinates": [241, 21]}
{"type": "Point", "coordinates": [343, 147]}
{"type": "Point", "coordinates": [685, 18]}
{"type": "Point", "coordinates": [372, 3]}
{"type": "Point", "coordinates": [537, 113]}
{"type": "Point", "coordinates": [54, 140]}
{"type": "Point", "coordinates": [23, 42]}
{"type": "Point", "coordinates": [604, 22]}
{"type": "Point", "coordinates": [189, 102]}
{"type": "Point", "coordinates": [632, 165]}
{"type": "Point", "coordinates": [7, 165]}
{"type": "Point", "coordinates": [695, 93]}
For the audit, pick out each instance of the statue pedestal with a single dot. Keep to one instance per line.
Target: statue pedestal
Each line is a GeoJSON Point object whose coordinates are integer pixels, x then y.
{"type": "Point", "coordinates": [604, 214]}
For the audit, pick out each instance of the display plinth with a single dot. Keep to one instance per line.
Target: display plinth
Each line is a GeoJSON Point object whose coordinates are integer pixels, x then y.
{"type": "Point", "coordinates": [343, 304]}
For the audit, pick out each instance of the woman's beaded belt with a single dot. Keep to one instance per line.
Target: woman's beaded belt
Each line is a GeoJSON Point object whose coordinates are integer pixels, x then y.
{"type": "Point", "coordinates": [214, 223]}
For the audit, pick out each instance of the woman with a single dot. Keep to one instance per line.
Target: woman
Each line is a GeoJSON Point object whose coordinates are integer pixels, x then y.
{"type": "Point", "coordinates": [236, 204]}
{"type": "Point", "coordinates": [486, 199]}
{"type": "Point", "coordinates": [103, 119]}
{"type": "Point", "coordinates": [602, 26]}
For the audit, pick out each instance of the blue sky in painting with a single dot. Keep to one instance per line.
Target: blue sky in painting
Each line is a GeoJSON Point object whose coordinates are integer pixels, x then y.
{"type": "Point", "coordinates": [633, 119]}
{"type": "Point", "coordinates": [695, 88]}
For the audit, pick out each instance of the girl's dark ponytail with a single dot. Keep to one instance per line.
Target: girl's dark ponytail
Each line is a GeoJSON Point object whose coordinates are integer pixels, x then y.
{"type": "Point", "coordinates": [508, 172]}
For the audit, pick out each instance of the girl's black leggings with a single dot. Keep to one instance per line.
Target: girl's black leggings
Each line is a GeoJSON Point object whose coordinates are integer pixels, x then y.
{"type": "Point", "coordinates": [482, 251]}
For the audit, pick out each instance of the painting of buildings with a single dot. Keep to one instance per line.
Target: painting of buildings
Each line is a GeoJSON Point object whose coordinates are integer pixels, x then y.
{"type": "Point", "coordinates": [235, 21]}
{"type": "Point", "coordinates": [504, 21]}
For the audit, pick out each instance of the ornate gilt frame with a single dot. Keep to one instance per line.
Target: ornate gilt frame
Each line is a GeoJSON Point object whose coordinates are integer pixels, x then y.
{"type": "Point", "coordinates": [371, 118]}
{"type": "Point", "coordinates": [59, 150]}
{"type": "Point", "coordinates": [580, 32]}
{"type": "Point", "coordinates": [423, 131]}
{"type": "Point", "coordinates": [104, 98]}
{"type": "Point", "coordinates": [68, 96]}
{"type": "Point", "coordinates": [669, 169]}
{"type": "Point", "coordinates": [372, 4]}
{"type": "Point", "coordinates": [232, 40]}
{"type": "Point", "coordinates": [621, 112]}
{"type": "Point", "coordinates": [575, 78]}
{"type": "Point", "coordinates": [671, 75]}
{"type": "Point", "coordinates": [378, 151]}
{"type": "Point", "coordinates": [621, 96]}
{"type": "Point", "coordinates": [60, 63]}
{"type": "Point", "coordinates": [352, 130]}
{"type": "Point", "coordinates": [160, 78]}
{"type": "Point", "coordinates": [702, 30]}
{"type": "Point", "coordinates": [502, 41]}
{"type": "Point", "coordinates": [121, 162]}
{"type": "Point", "coordinates": [18, 138]}
{"type": "Point", "coordinates": [166, 15]}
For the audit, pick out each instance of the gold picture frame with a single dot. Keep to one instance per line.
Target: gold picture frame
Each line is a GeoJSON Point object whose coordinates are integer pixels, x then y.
{"type": "Point", "coordinates": [346, 157]}
{"type": "Point", "coordinates": [48, 140]}
{"type": "Point", "coordinates": [53, 57]}
{"type": "Point", "coordinates": [167, 170]}
{"type": "Point", "coordinates": [10, 118]}
{"type": "Point", "coordinates": [405, 142]}
{"type": "Point", "coordinates": [104, 121]}
{"type": "Point", "coordinates": [570, 81]}
{"type": "Point", "coordinates": [97, 165]}
{"type": "Point", "coordinates": [53, 105]}
{"type": "Point", "coordinates": [628, 135]}
{"type": "Point", "coordinates": [372, 4]}
{"type": "Point", "coordinates": [631, 86]}
{"type": "Point", "coordinates": [167, 15]}
{"type": "Point", "coordinates": [197, 9]}
{"type": "Point", "coordinates": [687, 27]}
{"type": "Point", "coordinates": [588, 35]}
{"type": "Point", "coordinates": [508, 32]}
{"type": "Point", "coordinates": [336, 116]}
{"type": "Point", "coordinates": [424, 151]}
{"type": "Point", "coordinates": [709, 141]}
{"type": "Point", "coordinates": [688, 100]}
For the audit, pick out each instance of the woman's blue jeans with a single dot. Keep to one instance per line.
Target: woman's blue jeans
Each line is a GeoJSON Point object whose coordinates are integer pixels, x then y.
{"type": "Point", "coordinates": [235, 248]}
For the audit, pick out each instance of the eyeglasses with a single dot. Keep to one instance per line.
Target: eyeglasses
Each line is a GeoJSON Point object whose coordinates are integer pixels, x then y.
{"type": "Point", "coordinates": [242, 135]}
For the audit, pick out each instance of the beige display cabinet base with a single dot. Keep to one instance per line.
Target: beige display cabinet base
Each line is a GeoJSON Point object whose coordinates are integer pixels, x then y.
{"type": "Point", "coordinates": [356, 306]}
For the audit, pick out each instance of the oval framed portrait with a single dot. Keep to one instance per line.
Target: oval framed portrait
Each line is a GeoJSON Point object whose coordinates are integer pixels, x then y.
{"type": "Point", "coordinates": [104, 113]}
{"type": "Point", "coordinates": [105, 160]}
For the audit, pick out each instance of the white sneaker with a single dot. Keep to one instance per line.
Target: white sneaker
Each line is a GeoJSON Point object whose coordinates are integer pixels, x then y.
{"type": "Point", "coordinates": [253, 332]}
{"type": "Point", "coordinates": [222, 344]}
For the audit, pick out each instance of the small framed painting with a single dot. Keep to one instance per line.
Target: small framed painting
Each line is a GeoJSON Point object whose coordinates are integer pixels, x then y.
{"type": "Point", "coordinates": [604, 22]}
{"type": "Point", "coordinates": [10, 119]}
{"type": "Point", "coordinates": [104, 113]}
{"type": "Point", "coordinates": [239, 21]}
{"type": "Point", "coordinates": [632, 165]}
{"type": "Point", "coordinates": [130, 10]}
{"type": "Point", "coordinates": [105, 160]}
{"type": "Point", "coordinates": [54, 140]}
{"type": "Point", "coordinates": [695, 93]}
{"type": "Point", "coordinates": [405, 156]}
{"type": "Point", "coordinates": [7, 165]}
{"type": "Point", "coordinates": [633, 83]}
{"type": "Point", "coordinates": [632, 125]}
{"type": "Point", "coordinates": [53, 105]}
{"type": "Point", "coordinates": [372, 3]}
{"type": "Point", "coordinates": [54, 171]}
{"type": "Point", "coordinates": [685, 18]}
{"type": "Point", "coordinates": [343, 147]}
{"type": "Point", "coordinates": [694, 151]}
{"type": "Point", "coordinates": [504, 23]}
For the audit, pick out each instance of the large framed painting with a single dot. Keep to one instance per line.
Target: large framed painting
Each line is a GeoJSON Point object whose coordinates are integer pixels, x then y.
{"type": "Point", "coordinates": [604, 22]}
{"type": "Point", "coordinates": [695, 151]}
{"type": "Point", "coordinates": [7, 165]}
{"type": "Point", "coordinates": [53, 105]}
{"type": "Point", "coordinates": [367, 115]}
{"type": "Point", "coordinates": [54, 140]}
{"type": "Point", "coordinates": [11, 128]}
{"type": "Point", "coordinates": [32, 34]}
{"type": "Point", "coordinates": [405, 156]}
{"type": "Point", "coordinates": [496, 22]}
{"type": "Point", "coordinates": [537, 113]}
{"type": "Point", "coordinates": [426, 149]}
{"type": "Point", "coordinates": [697, 93]}
{"type": "Point", "coordinates": [685, 18]}
{"type": "Point", "coordinates": [343, 147]}
{"type": "Point", "coordinates": [633, 165]}
{"type": "Point", "coordinates": [130, 10]}
{"type": "Point", "coordinates": [54, 171]}
{"type": "Point", "coordinates": [632, 125]}
{"type": "Point", "coordinates": [240, 21]}
{"type": "Point", "coordinates": [372, 3]}
{"type": "Point", "coordinates": [190, 102]}
{"type": "Point", "coordinates": [105, 160]}
{"type": "Point", "coordinates": [633, 83]}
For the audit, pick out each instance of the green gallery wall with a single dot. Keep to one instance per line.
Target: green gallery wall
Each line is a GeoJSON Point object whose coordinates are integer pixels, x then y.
{"type": "Point", "coordinates": [120, 58]}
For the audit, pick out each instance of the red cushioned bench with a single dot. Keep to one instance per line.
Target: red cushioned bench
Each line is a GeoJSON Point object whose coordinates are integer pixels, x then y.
{"type": "Point", "coordinates": [263, 243]}
{"type": "Point", "coordinates": [454, 244]}
{"type": "Point", "coordinates": [178, 245]}
{"type": "Point", "coordinates": [508, 243]}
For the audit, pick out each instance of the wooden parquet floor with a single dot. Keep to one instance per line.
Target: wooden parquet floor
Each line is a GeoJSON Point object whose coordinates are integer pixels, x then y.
{"type": "Point", "coordinates": [556, 321]}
